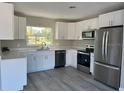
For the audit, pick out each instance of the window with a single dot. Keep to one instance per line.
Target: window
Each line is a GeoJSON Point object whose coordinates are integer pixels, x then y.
{"type": "Point", "coordinates": [38, 35]}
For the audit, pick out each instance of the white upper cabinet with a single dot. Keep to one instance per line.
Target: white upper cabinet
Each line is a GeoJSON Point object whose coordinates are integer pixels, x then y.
{"type": "Point", "coordinates": [19, 27]}
{"type": "Point", "coordinates": [16, 34]}
{"type": "Point", "coordinates": [111, 19]}
{"type": "Point", "coordinates": [73, 30]}
{"type": "Point", "coordinates": [6, 21]}
{"type": "Point", "coordinates": [71, 33]}
{"type": "Point", "coordinates": [61, 30]}
{"type": "Point", "coordinates": [79, 28]}
{"type": "Point", "coordinates": [22, 27]}
{"type": "Point", "coordinates": [67, 31]}
{"type": "Point", "coordinates": [88, 25]}
{"type": "Point", "coordinates": [94, 23]}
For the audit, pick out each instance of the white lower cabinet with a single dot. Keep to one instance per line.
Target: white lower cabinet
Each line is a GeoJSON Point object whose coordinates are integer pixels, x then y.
{"type": "Point", "coordinates": [71, 58]}
{"type": "Point", "coordinates": [49, 61]}
{"type": "Point", "coordinates": [40, 61]}
{"type": "Point", "coordinates": [13, 74]}
{"type": "Point", "coordinates": [31, 63]}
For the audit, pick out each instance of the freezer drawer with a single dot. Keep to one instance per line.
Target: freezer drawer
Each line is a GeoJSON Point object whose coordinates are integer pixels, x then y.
{"type": "Point", "coordinates": [107, 74]}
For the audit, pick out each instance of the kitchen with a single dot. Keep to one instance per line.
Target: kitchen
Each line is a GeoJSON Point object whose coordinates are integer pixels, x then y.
{"type": "Point", "coordinates": [66, 45]}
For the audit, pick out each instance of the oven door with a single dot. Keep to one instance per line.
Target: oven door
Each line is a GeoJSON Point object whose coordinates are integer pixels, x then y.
{"type": "Point", "coordinates": [83, 59]}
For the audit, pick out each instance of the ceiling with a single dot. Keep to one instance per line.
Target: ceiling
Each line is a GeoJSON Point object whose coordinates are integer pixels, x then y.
{"type": "Point", "coordinates": [61, 10]}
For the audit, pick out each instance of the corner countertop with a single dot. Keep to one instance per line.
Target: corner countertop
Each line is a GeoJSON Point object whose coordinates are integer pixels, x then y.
{"type": "Point", "coordinates": [12, 55]}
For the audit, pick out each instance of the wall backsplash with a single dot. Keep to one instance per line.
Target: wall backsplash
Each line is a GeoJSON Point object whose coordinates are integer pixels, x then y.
{"type": "Point", "coordinates": [13, 43]}
{"type": "Point", "coordinates": [56, 43]}
{"type": "Point", "coordinates": [82, 43]}
{"type": "Point", "coordinates": [23, 44]}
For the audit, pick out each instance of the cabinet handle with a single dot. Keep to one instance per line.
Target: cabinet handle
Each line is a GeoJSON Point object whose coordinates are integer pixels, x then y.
{"type": "Point", "coordinates": [111, 23]}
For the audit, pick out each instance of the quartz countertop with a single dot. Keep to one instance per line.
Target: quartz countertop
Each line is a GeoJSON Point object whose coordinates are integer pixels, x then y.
{"type": "Point", "coordinates": [23, 52]}
{"type": "Point", "coordinates": [12, 55]}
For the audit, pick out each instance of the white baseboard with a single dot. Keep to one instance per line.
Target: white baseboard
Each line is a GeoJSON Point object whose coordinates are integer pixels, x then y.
{"type": "Point", "coordinates": [121, 89]}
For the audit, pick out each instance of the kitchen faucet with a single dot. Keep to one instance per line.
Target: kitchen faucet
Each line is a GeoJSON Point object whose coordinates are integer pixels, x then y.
{"type": "Point", "coordinates": [43, 44]}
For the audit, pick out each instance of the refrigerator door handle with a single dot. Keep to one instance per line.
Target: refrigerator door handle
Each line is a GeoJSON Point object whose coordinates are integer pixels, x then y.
{"type": "Point", "coordinates": [103, 45]}
{"type": "Point", "coordinates": [106, 45]}
{"type": "Point", "coordinates": [116, 68]}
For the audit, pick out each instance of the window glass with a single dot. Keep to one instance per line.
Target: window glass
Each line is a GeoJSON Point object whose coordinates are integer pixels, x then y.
{"type": "Point", "coordinates": [39, 35]}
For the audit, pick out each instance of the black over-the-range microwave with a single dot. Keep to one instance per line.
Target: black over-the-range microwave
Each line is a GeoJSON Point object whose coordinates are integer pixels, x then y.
{"type": "Point", "coordinates": [88, 34]}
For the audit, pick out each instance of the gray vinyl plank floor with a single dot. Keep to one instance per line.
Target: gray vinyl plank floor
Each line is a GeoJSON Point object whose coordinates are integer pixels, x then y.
{"type": "Point", "coordinates": [63, 79]}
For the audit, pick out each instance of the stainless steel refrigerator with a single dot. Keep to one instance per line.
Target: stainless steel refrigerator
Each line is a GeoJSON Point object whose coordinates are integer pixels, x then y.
{"type": "Point", "coordinates": [108, 55]}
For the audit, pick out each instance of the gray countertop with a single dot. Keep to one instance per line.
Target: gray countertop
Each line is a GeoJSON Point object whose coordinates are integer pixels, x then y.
{"type": "Point", "coordinates": [12, 55]}
{"type": "Point", "coordinates": [21, 53]}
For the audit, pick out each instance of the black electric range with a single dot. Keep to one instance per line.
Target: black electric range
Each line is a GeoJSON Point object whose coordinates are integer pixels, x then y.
{"type": "Point", "coordinates": [83, 59]}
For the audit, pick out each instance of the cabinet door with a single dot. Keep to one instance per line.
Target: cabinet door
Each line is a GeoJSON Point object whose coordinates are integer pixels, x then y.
{"type": "Point", "coordinates": [74, 58]}
{"type": "Point", "coordinates": [81, 26]}
{"type": "Point", "coordinates": [111, 19]}
{"type": "Point", "coordinates": [31, 60]}
{"type": "Point", "coordinates": [117, 18]}
{"type": "Point", "coordinates": [61, 30]}
{"type": "Point", "coordinates": [16, 27]}
{"type": "Point", "coordinates": [49, 60]}
{"type": "Point", "coordinates": [68, 58]}
{"type": "Point", "coordinates": [71, 31]}
{"type": "Point", "coordinates": [39, 62]}
{"type": "Point", "coordinates": [13, 74]}
{"type": "Point", "coordinates": [87, 25]}
{"type": "Point", "coordinates": [78, 34]}
{"type": "Point", "coordinates": [104, 20]}
{"type": "Point", "coordinates": [6, 21]}
{"type": "Point", "coordinates": [71, 58]}
{"type": "Point", "coordinates": [94, 23]}
{"type": "Point", "coordinates": [22, 27]}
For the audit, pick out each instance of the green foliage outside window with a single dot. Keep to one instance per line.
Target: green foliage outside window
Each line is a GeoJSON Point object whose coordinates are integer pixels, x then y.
{"type": "Point", "coordinates": [38, 35]}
